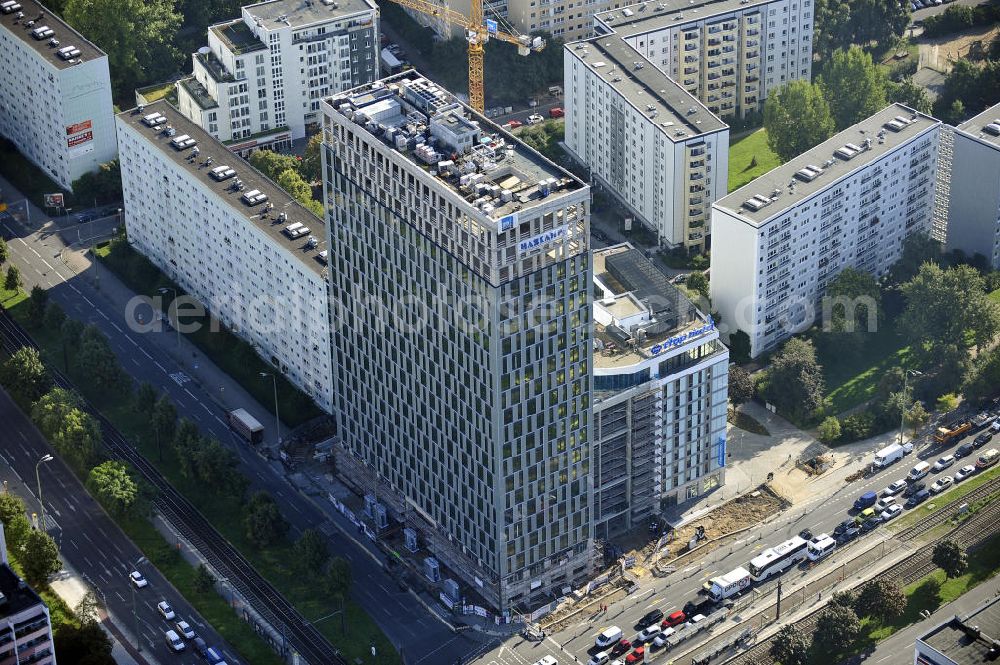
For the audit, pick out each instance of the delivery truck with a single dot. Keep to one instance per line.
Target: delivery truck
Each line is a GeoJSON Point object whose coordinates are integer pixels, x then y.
{"type": "Point", "coordinates": [888, 455]}
{"type": "Point", "coordinates": [246, 426]}
{"type": "Point", "coordinates": [730, 584]}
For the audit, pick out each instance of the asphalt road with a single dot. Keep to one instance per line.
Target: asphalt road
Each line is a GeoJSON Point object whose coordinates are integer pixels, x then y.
{"type": "Point", "coordinates": [153, 357]}
{"type": "Point", "coordinates": [92, 543]}
{"type": "Point", "coordinates": [820, 514]}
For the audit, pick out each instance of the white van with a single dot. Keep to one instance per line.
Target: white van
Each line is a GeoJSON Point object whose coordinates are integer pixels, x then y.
{"type": "Point", "coordinates": [608, 637]}
{"type": "Point", "coordinates": [174, 641]}
{"type": "Point", "coordinates": [919, 471]}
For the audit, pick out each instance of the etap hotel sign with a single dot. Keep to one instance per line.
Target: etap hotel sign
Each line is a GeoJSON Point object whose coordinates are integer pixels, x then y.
{"type": "Point", "coordinates": [542, 239]}
{"type": "Point", "coordinates": [677, 340]}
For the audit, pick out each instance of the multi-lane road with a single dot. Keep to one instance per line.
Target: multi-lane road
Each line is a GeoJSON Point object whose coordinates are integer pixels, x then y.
{"type": "Point", "coordinates": [163, 361]}
{"type": "Point", "coordinates": [92, 543]}
{"type": "Point", "coordinates": [819, 514]}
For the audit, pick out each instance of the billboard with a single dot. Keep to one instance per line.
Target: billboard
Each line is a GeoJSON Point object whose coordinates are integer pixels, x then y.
{"type": "Point", "coordinates": [79, 127]}
{"type": "Point", "coordinates": [54, 201]}
{"type": "Point", "coordinates": [80, 137]}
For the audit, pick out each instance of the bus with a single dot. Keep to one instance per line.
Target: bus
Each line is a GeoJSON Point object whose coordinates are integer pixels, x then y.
{"type": "Point", "coordinates": [776, 559]}
{"type": "Point", "coordinates": [820, 546]}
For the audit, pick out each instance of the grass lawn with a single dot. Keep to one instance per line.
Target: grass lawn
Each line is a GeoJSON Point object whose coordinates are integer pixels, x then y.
{"type": "Point", "coordinates": [156, 92]}
{"type": "Point", "coordinates": [742, 154]}
{"type": "Point", "coordinates": [274, 563]}
{"type": "Point", "coordinates": [995, 295]}
{"type": "Point", "coordinates": [852, 381]}
{"type": "Point", "coordinates": [956, 492]}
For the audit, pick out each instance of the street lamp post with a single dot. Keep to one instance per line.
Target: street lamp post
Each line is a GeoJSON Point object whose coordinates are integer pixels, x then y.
{"type": "Point", "coordinates": [177, 318]}
{"type": "Point", "coordinates": [131, 583]}
{"type": "Point", "coordinates": [38, 479]}
{"type": "Point", "coordinates": [277, 420]}
{"type": "Point", "coordinates": [902, 410]}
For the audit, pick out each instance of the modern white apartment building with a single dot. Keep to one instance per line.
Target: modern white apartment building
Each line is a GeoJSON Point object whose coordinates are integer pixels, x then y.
{"type": "Point", "coordinates": [25, 625]}
{"type": "Point", "coordinates": [729, 53]}
{"type": "Point", "coordinates": [848, 202]}
{"type": "Point", "coordinates": [974, 199]}
{"type": "Point", "coordinates": [260, 80]}
{"type": "Point", "coordinates": [650, 143]}
{"type": "Point", "coordinates": [231, 238]}
{"type": "Point", "coordinates": [661, 378]}
{"type": "Point", "coordinates": [55, 93]}
{"type": "Point", "coordinates": [460, 258]}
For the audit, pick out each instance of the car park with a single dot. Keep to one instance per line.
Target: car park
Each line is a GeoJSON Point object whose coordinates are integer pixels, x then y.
{"type": "Point", "coordinates": [941, 484]}
{"type": "Point", "coordinates": [184, 629]}
{"type": "Point", "coordinates": [917, 498]}
{"type": "Point", "coordinates": [885, 502]}
{"type": "Point", "coordinates": [943, 463]}
{"type": "Point", "coordinates": [661, 639]}
{"type": "Point", "coordinates": [964, 472]}
{"type": "Point", "coordinates": [167, 612]}
{"type": "Point", "coordinates": [894, 488]}
{"type": "Point", "coordinates": [980, 441]}
{"type": "Point", "coordinates": [174, 641]}
{"type": "Point", "coordinates": [890, 512]}
{"type": "Point", "coordinates": [137, 579]}
{"type": "Point", "coordinates": [651, 617]}
{"type": "Point", "coordinates": [914, 488]}
{"type": "Point", "coordinates": [648, 633]}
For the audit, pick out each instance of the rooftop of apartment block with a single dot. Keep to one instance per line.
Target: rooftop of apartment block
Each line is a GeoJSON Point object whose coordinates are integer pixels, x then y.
{"type": "Point", "coordinates": [15, 595]}
{"type": "Point", "coordinates": [233, 180]}
{"type": "Point", "coordinates": [46, 33]}
{"type": "Point", "coordinates": [817, 168]}
{"type": "Point", "coordinates": [300, 13]}
{"type": "Point", "coordinates": [968, 640]}
{"type": "Point", "coordinates": [654, 15]}
{"type": "Point", "coordinates": [466, 152]}
{"type": "Point", "coordinates": [639, 314]}
{"type": "Point", "coordinates": [238, 36]}
{"type": "Point", "coordinates": [198, 93]}
{"type": "Point", "coordinates": [985, 126]}
{"type": "Point", "coordinates": [657, 96]}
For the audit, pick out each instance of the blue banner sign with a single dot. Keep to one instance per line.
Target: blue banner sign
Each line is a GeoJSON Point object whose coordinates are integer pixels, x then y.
{"type": "Point", "coordinates": [677, 340]}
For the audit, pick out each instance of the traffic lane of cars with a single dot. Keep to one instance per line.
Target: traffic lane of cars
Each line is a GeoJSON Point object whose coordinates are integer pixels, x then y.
{"type": "Point", "coordinates": [173, 630]}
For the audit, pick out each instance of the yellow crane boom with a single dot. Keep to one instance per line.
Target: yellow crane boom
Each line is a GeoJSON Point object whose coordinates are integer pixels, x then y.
{"type": "Point", "coordinates": [476, 34]}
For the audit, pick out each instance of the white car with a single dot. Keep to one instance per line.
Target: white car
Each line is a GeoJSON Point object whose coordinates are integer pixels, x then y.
{"type": "Point", "coordinates": [137, 579]}
{"type": "Point", "coordinates": [535, 119]}
{"type": "Point", "coordinates": [599, 658]}
{"type": "Point", "coordinates": [941, 484]}
{"type": "Point", "coordinates": [894, 488]}
{"type": "Point", "coordinates": [163, 607]}
{"type": "Point", "coordinates": [890, 512]}
{"type": "Point", "coordinates": [964, 473]}
{"type": "Point", "coordinates": [661, 639]}
{"type": "Point", "coordinates": [648, 633]}
{"type": "Point", "coordinates": [907, 447]}
{"type": "Point", "coordinates": [885, 502]}
{"type": "Point", "coordinates": [185, 630]}
{"type": "Point", "coordinates": [943, 463]}
{"type": "Point", "coordinates": [174, 641]}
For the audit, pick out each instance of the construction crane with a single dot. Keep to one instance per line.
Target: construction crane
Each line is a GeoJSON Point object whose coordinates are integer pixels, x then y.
{"type": "Point", "coordinates": [477, 33]}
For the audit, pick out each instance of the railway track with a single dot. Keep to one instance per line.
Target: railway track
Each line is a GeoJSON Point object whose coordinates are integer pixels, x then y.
{"type": "Point", "coordinates": [301, 635]}
{"type": "Point", "coordinates": [947, 511]}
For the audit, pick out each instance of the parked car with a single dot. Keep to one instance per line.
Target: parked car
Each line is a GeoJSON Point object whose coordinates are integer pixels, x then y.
{"type": "Point", "coordinates": [917, 499]}
{"type": "Point", "coordinates": [978, 442]}
{"type": "Point", "coordinates": [914, 488]}
{"type": "Point", "coordinates": [871, 524]}
{"type": "Point", "coordinates": [651, 617]}
{"type": "Point", "coordinates": [849, 534]}
{"type": "Point", "coordinates": [885, 502]}
{"type": "Point", "coordinates": [637, 656]}
{"type": "Point", "coordinates": [556, 112]}
{"type": "Point", "coordinates": [514, 124]}
{"type": "Point", "coordinates": [661, 639]}
{"type": "Point", "coordinates": [621, 647]}
{"type": "Point", "coordinates": [890, 512]}
{"type": "Point", "coordinates": [943, 463]}
{"type": "Point", "coordinates": [843, 526]}
{"type": "Point", "coordinates": [964, 472]}
{"type": "Point", "coordinates": [866, 500]}
{"type": "Point", "coordinates": [907, 447]}
{"type": "Point", "coordinates": [673, 619]}
{"type": "Point", "coordinates": [894, 488]}
{"type": "Point", "coordinates": [535, 119]}
{"type": "Point", "coordinates": [137, 579]}
{"type": "Point", "coordinates": [964, 449]}
{"type": "Point", "coordinates": [648, 633]}
{"type": "Point", "coordinates": [941, 484]}
{"type": "Point", "coordinates": [163, 607]}
{"type": "Point", "coordinates": [599, 658]}
{"type": "Point", "coordinates": [185, 630]}
{"type": "Point", "coordinates": [608, 636]}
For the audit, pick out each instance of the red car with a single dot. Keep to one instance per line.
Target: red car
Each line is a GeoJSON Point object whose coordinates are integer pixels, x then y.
{"type": "Point", "coordinates": [620, 648]}
{"type": "Point", "coordinates": [514, 124]}
{"type": "Point", "coordinates": [556, 112]}
{"type": "Point", "coordinates": [674, 619]}
{"type": "Point", "coordinates": [637, 656]}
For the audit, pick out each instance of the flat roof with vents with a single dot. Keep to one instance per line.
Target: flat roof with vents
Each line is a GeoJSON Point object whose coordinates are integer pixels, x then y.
{"type": "Point", "coordinates": [48, 35]}
{"type": "Point", "coordinates": [675, 111]}
{"type": "Point", "coordinates": [985, 126]}
{"type": "Point", "coordinates": [658, 15]}
{"type": "Point", "coordinates": [967, 639]}
{"type": "Point", "coordinates": [814, 170]}
{"type": "Point", "coordinates": [300, 13]}
{"type": "Point", "coordinates": [230, 178]}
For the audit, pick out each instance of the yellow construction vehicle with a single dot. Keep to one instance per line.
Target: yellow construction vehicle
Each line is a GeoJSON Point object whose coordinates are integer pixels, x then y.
{"type": "Point", "coordinates": [477, 33]}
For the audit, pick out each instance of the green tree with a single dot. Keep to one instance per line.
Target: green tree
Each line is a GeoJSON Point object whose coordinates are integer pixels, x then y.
{"type": "Point", "coordinates": [72, 432]}
{"type": "Point", "coordinates": [103, 185]}
{"type": "Point", "coordinates": [13, 280]}
{"type": "Point", "coordinates": [112, 483]}
{"type": "Point", "coordinates": [739, 346]}
{"type": "Point", "coordinates": [918, 249]}
{"type": "Point", "coordinates": [41, 558]}
{"type": "Point", "coordinates": [742, 386]}
{"type": "Point", "coordinates": [797, 117]}
{"type": "Point", "coordinates": [946, 402]}
{"type": "Point", "coordinates": [137, 35]}
{"type": "Point", "coordinates": [292, 182]}
{"type": "Point", "coordinates": [37, 299]}
{"type": "Point", "coordinates": [950, 557]}
{"type": "Point", "coordinates": [910, 94]}
{"type": "Point", "coordinates": [844, 598]}
{"type": "Point", "coordinates": [98, 362]}
{"type": "Point", "coordinates": [70, 332]}
{"type": "Point", "coordinates": [698, 283]}
{"type": "Point", "coordinates": [54, 317]}
{"type": "Point", "coordinates": [273, 164]}
{"type": "Point", "coordinates": [163, 420]}
{"type": "Point", "coordinates": [854, 300]}
{"type": "Point", "coordinates": [337, 578]}
{"type": "Point", "coordinates": [947, 308]}
{"type": "Point", "coordinates": [24, 376]}
{"type": "Point", "coordinates": [145, 398]}
{"type": "Point", "coordinates": [789, 646]}
{"type": "Point", "coordinates": [854, 86]}
{"type": "Point", "coordinates": [83, 644]}
{"type": "Point", "coordinates": [311, 551]}
{"type": "Point", "coordinates": [881, 600]}
{"type": "Point", "coordinates": [16, 526]}
{"type": "Point", "coordinates": [829, 430]}
{"type": "Point", "coordinates": [4, 251]}
{"type": "Point", "coordinates": [312, 161]}
{"type": "Point", "coordinates": [839, 24]}
{"type": "Point", "coordinates": [836, 630]}
{"type": "Point", "coordinates": [795, 380]}
{"type": "Point", "coordinates": [88, 610]}
{"type": "Point", "coordinates": [204, 581]}
{"type": "Point", "coordinates": [263, 524]}
{"type": "Point", "coordinates": [916, 417]}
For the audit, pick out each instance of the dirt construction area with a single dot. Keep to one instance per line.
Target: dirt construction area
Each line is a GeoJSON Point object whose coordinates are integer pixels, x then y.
{"type": "Point", "coordinates": [939, 54]}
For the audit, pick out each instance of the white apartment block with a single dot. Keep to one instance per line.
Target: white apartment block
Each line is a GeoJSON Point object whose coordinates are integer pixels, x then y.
{"type": "Point", "coordinates": [729, 53]}
{"type": "Point", "coordinates": [260, 80]}
{"type": "Point", "coordinates": [974, 199]}
{"type": "Point", "coordinates": [661, 390]}
{"type": "Point", "coordinates": [231, 238]}
{"type": "Point", "coordinates": [650, 143]}
{"type": "Point", "coordinates": [463, 386]}
{"type": "Point", "coordinates": [847, 203]}
{"type": "Point", "coordinates": [55, 93]}
{"type": "Point", "coordinates": [25, 625]}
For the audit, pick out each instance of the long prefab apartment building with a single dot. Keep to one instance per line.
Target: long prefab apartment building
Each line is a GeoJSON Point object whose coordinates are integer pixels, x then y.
{"type": "Point", "coordinates": [461, 271]}
{"type": "Point", "coordinates": [974, 196]}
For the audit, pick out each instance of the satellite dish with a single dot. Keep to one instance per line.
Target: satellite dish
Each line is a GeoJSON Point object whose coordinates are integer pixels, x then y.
{"type": "Point", "coordinates": [204, 50]}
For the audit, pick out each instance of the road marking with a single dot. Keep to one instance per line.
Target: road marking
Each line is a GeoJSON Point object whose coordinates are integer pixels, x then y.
{"type": "Point", "coordinates": [207, 410]}
{"type": "Point", "coordinates": [196, 417]}
{"type": "Point", "coordinates": [136, 362]}
{"type": "Point", "coordinates": [88, 301]}
{"type": "Point", "coordinates": [145, 353]}
{"type": "Point", "coordinates": [134, 343]}
{"type": "Point", "coordinates": [105, 316]}
{"type": "Point", "coordinates": [221, 422]}
{"type": "Point", "coordinates": [190, 394]}
{"type": "Point", "coordinates": [32, 250]}
{"type": "Point", "coordinates": [160, 366]}
{"type": "Point", "coordinates": [115, 326]}
{"type": "Point", "coordinates": [75, 290]}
